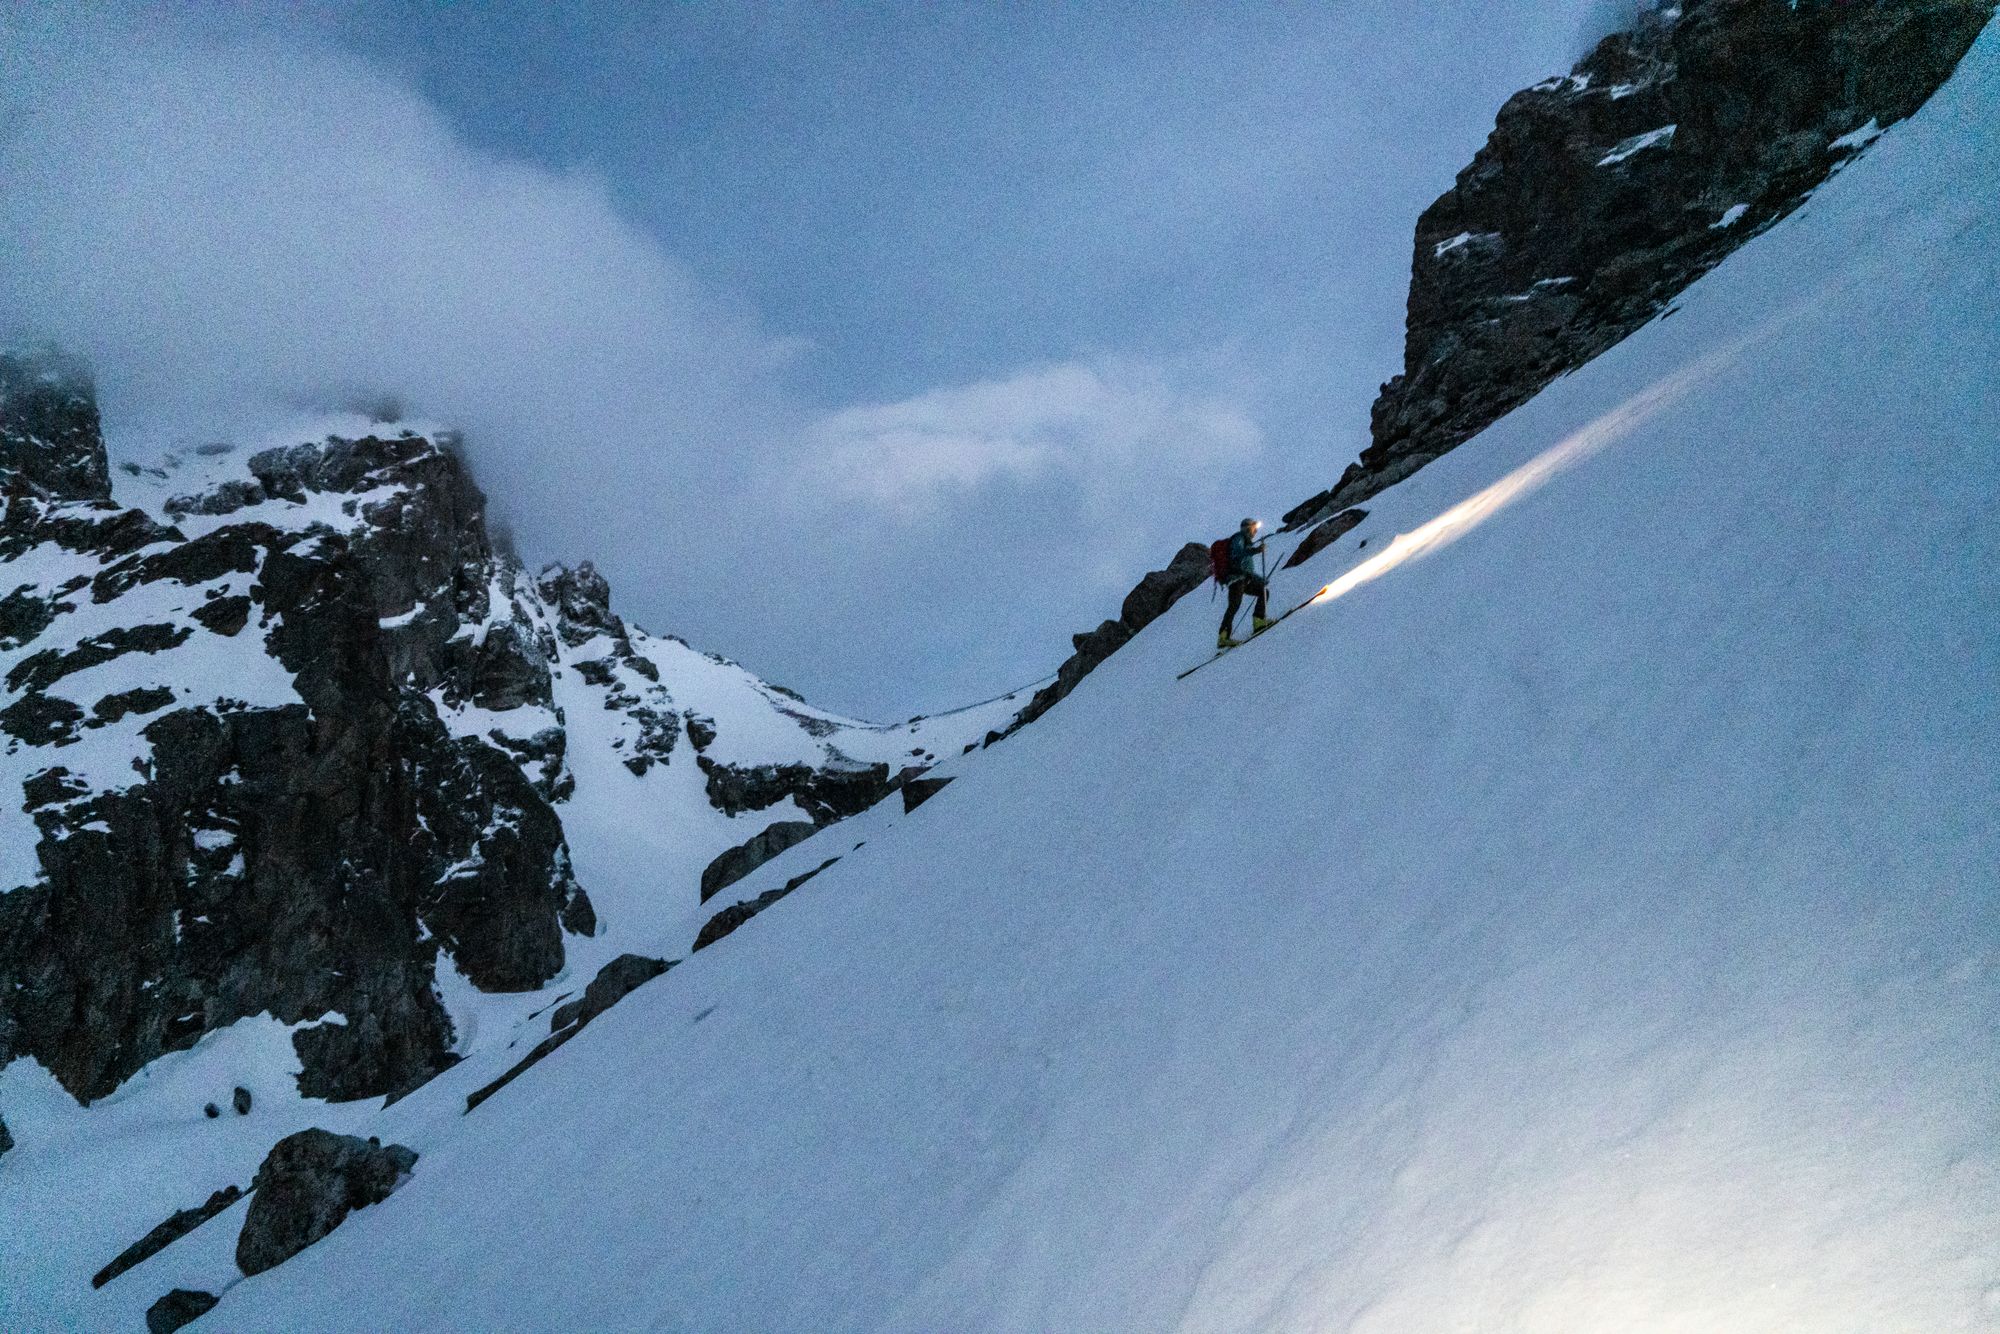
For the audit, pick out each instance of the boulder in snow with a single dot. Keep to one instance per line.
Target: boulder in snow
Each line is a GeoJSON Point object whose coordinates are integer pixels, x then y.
{"type": "Point", "coordinates": [178, 1308]}
{"type": "Point", "coordinates": [309, 1182]}
{"type": "Point", "coordinates": [917, 791]}
{"type": "Point", "coordinates": [613, 983]}
{"type": "Point", "coordinates": [752, 853]}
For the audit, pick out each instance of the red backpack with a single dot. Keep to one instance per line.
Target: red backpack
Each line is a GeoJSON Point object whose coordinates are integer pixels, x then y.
{"type": "Point", "coordinates": [1218, 559]}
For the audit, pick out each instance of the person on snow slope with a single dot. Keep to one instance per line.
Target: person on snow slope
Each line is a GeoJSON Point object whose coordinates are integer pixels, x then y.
{"type": "Point", "coordinates": [1244, 549]}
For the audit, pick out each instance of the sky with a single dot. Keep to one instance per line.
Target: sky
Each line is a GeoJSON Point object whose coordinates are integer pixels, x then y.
{"type": "Point", "coordinates": [880, 348]}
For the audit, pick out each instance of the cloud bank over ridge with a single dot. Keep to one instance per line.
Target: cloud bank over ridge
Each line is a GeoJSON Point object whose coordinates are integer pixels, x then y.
{"type": "Point", "coordinates": [1091, 424]}
{"type": "Point", "coordinates": [234, 227]}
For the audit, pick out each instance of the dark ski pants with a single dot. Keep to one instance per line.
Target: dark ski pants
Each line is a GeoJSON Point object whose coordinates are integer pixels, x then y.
{"type": "Point", "coordinates": [1237, 587]}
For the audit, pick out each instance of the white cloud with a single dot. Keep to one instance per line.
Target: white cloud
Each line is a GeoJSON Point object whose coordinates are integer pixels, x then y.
{"type": "Point", "coordinates": [222, 225]}
{"type": "Point", "coordinates": [1105, 429]}
{"type": "Point", "coordinates": [231, 227]}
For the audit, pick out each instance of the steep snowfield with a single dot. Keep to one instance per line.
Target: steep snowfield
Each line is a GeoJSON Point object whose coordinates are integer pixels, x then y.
{"type": "Point", "coordinates": [1590, 925]}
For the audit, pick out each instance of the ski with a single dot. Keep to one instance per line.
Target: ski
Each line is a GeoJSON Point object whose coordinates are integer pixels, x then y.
{"type": "Point", "coordinates": [1182, 676]}
{"type": "Point", "coordinates": [1223, 652]}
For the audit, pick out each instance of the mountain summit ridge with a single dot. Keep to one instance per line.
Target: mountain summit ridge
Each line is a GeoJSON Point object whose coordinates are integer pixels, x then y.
{"type": "Point", "coordinates": [1603, 193]}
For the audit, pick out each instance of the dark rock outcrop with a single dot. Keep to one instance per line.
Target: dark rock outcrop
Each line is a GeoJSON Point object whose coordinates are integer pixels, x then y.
{"type": "Point", "coordinates": [39, 671]}
{"type": "Point", "coordinates": [656, 730]}
{"type": "Point", "coordinates": [182, 1222]}
{"type": "Point", "coordinates": [1159, 590]}
{"type": "Point", "coordinates": [145, 699]}
{"type": "Point", "coordinates": [746, 857]}
{"type": "Point", "coordinates": [917, 791]}
{"type": "Point", "coordinates": [581, 600]}
{"type": "Point", "coordinates": [1601, 195]}
{"type": "Point", "coordinates": [361, 828]}
{"type": "Point", "coordinates": [180, 1307]}
{"type": "Point", "coordinates": [825, 794]}
{"type": "Point", "coordinates": [613, 983]}
{"type": "Point", "coordinates": [1324, 536]}
{"type": "Point", "coordinates": [50, 443]}
{"type": "Point", "coordinates": [41, 721]}
{"type": "Point", "coordinates": [305, 859]}
{"type": "Point", "coordinates": [6, 1140]}
{"type": "Point", "coordinates": [308, 1184]}
{"type": "Point", "coordinates": [736, 914]}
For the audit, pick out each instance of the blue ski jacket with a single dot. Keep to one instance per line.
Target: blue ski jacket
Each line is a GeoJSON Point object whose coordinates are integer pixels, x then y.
{"type": "Point", "coordinates": [1242, 555]}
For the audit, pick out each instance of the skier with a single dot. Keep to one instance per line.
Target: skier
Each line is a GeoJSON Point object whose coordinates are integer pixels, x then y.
{"type": "Point", "coordinates": [1244, 548]}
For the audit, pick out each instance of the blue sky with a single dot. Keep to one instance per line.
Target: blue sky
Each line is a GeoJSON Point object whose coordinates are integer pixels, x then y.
{"type": "Point", "coordinates": [880, 348]}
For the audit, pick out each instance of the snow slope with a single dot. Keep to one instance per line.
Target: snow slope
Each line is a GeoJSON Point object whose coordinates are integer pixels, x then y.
{"type": "Point", "coordinates": [1593, 924]}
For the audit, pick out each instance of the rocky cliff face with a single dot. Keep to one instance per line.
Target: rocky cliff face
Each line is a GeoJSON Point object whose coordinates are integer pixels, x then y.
{"type": "Point", "coordinates": [285, 733]}
{"type": "Point", "coordinates": [239, 792]}
{"type": "Point", "coordinates": [49, 439]}
{"type": "Point", "coordinates": [304, 780]}
{"type": "Point", "coordinates": [1603, 193]}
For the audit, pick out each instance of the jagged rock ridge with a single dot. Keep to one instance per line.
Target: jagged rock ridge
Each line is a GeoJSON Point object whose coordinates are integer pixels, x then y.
{"type": "Point", "coordinates": [288, 738]}
{"type": "Point", "coordinates": [50, 441]}
{"type": "Point", "coordinates": [242, 797]}
{"type": "Point", "coordinates": [1603, 193]}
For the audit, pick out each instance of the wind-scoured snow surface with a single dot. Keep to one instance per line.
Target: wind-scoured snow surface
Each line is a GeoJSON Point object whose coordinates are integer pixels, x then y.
{"type": "Point", "coordinates": [1591, 924]}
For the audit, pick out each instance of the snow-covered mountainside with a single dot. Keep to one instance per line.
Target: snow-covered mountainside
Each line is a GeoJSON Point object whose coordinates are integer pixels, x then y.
{"type": "Point", "coordinates": [1584, 915]}
{"type": "Point", "coordinates": [309, 777]}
